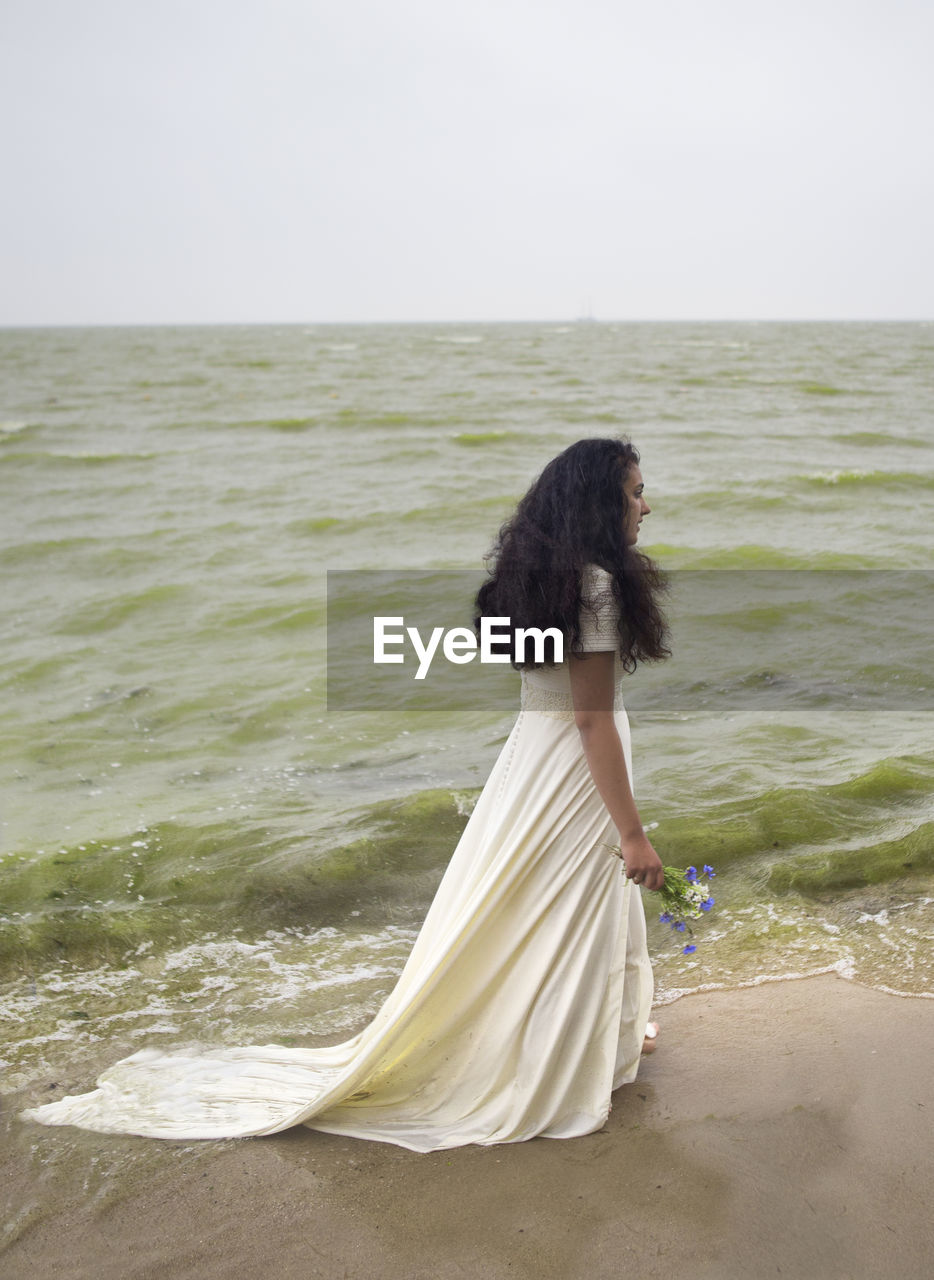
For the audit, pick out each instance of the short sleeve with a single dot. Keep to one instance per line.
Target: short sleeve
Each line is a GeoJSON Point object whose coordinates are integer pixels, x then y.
{"type": "Point", "coordinates": [600, 613]}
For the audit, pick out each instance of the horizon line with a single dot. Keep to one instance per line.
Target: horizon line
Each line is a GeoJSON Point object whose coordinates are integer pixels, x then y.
{"type": "Point", "coordinates": [582, 321]}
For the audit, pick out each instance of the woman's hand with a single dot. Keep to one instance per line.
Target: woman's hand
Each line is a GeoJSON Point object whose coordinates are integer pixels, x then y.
{"type": "Point", "coordinates": [642, 863]}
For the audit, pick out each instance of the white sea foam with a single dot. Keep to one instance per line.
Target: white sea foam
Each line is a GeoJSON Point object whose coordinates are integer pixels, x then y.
{"type": "Point", "coordinates": [287, 983]}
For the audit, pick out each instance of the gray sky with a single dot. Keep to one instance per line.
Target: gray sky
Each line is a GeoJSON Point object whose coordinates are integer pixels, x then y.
{"type": "Point", "coordinates": [353, 160]}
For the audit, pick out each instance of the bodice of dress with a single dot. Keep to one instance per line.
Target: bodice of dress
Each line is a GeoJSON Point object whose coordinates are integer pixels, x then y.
{"type": "Point", "coordinates": [547, 690]}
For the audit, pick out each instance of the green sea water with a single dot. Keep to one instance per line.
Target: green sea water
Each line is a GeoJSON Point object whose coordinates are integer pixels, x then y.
{"type": "Point", "coordinates": [195, 843]}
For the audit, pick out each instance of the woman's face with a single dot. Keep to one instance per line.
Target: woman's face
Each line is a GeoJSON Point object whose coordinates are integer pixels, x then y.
{"type": "Point", "coordinates": [636, 506]}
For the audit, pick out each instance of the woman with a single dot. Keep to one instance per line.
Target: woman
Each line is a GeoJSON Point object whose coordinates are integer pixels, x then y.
{"type": "Point", "coordinates": [526, 997]}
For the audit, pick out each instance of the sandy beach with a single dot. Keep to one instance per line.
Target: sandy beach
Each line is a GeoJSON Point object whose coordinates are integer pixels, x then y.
{"type": "Point", "coordinates": [779, 1130]}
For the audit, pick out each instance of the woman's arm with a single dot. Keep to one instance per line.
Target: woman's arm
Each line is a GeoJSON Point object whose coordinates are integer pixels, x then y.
{"type": "Point", "coordinates": [592, 690]}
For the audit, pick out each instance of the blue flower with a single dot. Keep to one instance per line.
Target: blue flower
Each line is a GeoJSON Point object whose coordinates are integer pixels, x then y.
{"type": "Point", "coordinates": [691, 874]}
{"type": "Point", "coordinates": [709, 871]}
{"type": "Point", "coordinates": [690, 949]}
{"type": "Point", "coordinates": [705, 906]}
{"type": "Point", "coordinates": [679, 925]}
{"type": "Point", "coordinates": [665, 917]}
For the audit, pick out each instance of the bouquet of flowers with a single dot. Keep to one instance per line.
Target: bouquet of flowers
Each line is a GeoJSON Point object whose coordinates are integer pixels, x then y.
{"type": "Point", "coordinates": [686, 896]}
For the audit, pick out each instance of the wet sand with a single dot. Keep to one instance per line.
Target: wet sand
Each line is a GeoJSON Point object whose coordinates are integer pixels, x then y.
{"type": "Point", "coordinates": [781, 1130]}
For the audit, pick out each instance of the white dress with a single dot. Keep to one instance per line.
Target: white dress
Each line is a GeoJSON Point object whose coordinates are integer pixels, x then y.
{"type": "Point", "coordinates": [522, 1006]}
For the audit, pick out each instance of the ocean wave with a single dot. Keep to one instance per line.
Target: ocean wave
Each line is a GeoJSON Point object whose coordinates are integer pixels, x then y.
{"type": "Point", "coordinates": [104, 614]}
{"type": "Point", "coordinates": [755, 556]}
{"type": "Point", "coordinates": [48, 457]}
{"type": "Point", "coordinates": [171, 880]}
{"type": "Point", "coordinates": [476, 439]}
{"type": "Point", "coordinates": [870, 479]}
{"type": "Point", "coordinates": [881, 439]}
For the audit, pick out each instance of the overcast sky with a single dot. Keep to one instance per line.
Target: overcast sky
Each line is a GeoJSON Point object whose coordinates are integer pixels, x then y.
{"type": "Point", "coordinates": [355, 160]}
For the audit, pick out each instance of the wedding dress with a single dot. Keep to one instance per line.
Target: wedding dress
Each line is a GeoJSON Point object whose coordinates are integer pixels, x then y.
{"type": "Point", "coordinates": [524, 1001]}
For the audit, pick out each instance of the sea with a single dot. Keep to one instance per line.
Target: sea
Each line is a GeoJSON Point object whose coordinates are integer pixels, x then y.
{"type": "Point", "coordinates": [199, 844]}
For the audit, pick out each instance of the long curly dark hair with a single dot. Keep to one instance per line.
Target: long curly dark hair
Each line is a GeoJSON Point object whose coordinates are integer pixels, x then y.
{"type": "Point", "coordinates": [574, 515]}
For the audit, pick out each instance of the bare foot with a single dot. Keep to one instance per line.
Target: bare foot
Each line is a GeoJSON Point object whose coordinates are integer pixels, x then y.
{"type": "Point", "coordinates": [651, 1034]}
